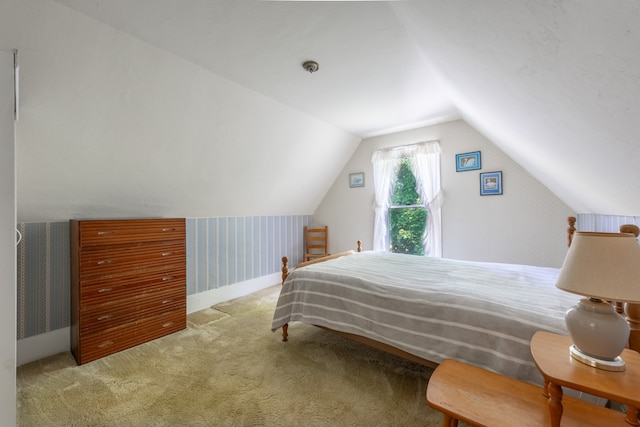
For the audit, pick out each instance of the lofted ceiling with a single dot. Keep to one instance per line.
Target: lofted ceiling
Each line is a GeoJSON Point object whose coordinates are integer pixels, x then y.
{"type": "Point", "coordinates": [554, 83]}
{"type": "Point", "coordinates": [371, 78]}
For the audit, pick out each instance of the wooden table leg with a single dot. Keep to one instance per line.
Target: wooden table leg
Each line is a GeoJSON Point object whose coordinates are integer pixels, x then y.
{"type": "Point", "coordinates": [632, 416]}
{"type": "Point", "coordinates": [555, 403]}
{"type": "Point", "coordinates": [545, 390]}
{"type": "Point", "coordinates": [448, 421]}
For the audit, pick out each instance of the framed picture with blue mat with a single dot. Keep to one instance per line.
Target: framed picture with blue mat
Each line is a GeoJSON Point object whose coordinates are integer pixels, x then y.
{"type": "Point", "coordinates": [468, 161]}
{"type": "Point", "coordinates": [491, 183]}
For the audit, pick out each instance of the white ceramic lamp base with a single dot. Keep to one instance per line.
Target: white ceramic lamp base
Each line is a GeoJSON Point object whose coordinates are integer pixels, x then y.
{"type": "Point", "coordinates": [599, 334]}
{"type": "Point", "coordinates": [616, 364]}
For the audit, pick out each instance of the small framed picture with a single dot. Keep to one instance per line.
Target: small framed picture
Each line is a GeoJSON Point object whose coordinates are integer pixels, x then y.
{"type": "Point", "coordinates": [468, 161]}
{"type": "Point", "coordinates": [356, 179]}
{"type": "Point", "coordinates": [491, 183]}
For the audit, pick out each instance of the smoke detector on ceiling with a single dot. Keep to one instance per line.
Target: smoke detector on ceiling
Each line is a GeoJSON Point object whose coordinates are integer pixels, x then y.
{"type": "Point", "coordinates": [311, 66]}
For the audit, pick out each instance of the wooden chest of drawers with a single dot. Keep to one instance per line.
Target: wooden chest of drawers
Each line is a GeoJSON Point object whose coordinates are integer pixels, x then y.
{"type": "Point", "coordinates": [128, 283]}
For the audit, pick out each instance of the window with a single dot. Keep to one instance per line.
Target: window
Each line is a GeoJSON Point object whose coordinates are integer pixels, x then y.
{"type": "Point", "coordinates": [407, 214]}
{"type": "Point", "coordinates": [423, 161]}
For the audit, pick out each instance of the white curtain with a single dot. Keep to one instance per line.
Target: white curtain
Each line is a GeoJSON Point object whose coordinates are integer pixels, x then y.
{"type": "Point", "coordinates": [425, 166]}
{"type": "Point", "coordinates": [385, 174]}
{"type": "Point", "coordinates": [424, 160]}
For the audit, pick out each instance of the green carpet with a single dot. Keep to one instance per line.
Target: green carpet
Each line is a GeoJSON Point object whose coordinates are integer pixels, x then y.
{"type": "Point", "coordinates": [228, 369]}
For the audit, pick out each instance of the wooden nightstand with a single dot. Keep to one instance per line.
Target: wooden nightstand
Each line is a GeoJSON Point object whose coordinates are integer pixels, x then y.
{"type": "Point", "coordinates": [551, 355]}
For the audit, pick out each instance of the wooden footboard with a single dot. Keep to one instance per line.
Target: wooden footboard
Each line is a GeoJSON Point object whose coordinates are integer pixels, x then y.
{"type": "Point", "coordinates": [285, 273]}
{"type": "Point", "coordinates": [285, 260]}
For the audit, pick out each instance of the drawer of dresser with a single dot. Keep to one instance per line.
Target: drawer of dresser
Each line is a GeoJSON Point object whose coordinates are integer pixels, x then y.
{"type": "Point", "coordinates": [133, 260]}
{"type": "Point", "coordinates": [98, 292]}
{"type": "Point", "coordinates": [116, 232]}
{"type": "Point", "coordinates": [130, 335]}
{"type": "Point", "coordinates": [109, 316]}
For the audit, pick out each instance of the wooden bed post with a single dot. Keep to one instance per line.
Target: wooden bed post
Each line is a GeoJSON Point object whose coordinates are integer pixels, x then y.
{"type": "Point", "coordinates": [572, 229]}
{"type": "Point", "coordinates": [632, 311]}
{"type": "Point", "coordinates": [285, 269]}
{"type": "Point", "coordinates": [285, 273]}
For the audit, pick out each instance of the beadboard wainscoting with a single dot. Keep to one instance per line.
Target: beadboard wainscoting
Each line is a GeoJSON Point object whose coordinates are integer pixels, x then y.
{"type": "Point", "coordinates": [44, 287]}
{"type": "Point", "coordinates": [227, 257]}
{"type": "Point", "coordinates": [223, 251]}
{"type": "Point", "coordinates": [604, 223]}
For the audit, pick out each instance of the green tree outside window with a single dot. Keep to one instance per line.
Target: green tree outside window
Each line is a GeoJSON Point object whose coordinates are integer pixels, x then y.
{"type": "Point", "coordinates": [407, 214]}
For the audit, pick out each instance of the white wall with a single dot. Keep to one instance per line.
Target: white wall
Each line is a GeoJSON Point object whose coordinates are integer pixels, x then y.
{"type": "Point", "coordinates": [552, 83]}
{"type": "Point", "coordinates": [7, 243]}
{"type": "Point", "coordinates": [111, 127]}
{"type": "Point", "coordinates": [527, 224]}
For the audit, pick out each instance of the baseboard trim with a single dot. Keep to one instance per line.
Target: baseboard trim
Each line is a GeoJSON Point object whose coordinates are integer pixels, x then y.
{"type": "Point", "coordinates": [58, 341]}
{"type": "Point", "coordinates": [202, 300]}
{"type": "Point", "coordinates": [43, 345]}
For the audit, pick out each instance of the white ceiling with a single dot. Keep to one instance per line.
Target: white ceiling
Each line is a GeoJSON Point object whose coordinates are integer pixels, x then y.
{"type": "Point", "coordinates": [371, 80]}
{"type": "Point", "coordinates": [554, 83]}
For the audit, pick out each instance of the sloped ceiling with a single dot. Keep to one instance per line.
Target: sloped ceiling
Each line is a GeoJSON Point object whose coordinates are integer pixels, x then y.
{"type": "Point", "coordinates": [371, 78]}
{"type": "Point", "coordinates": [555, 83]}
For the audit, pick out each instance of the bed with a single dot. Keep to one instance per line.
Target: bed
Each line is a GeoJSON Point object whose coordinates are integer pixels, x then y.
{"type": "Point", "coordinates": [429, 309]}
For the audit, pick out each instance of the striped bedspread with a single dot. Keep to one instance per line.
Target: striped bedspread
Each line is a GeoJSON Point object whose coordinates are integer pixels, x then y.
{"type": "Point", "coordinates": [481, 313]}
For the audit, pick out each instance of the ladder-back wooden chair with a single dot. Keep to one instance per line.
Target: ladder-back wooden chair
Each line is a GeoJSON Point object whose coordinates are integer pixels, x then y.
{"type": "Point", "coordinates": [316, 243]}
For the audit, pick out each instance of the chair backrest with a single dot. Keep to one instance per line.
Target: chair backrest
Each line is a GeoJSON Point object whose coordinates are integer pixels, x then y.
{"type": "Point", "coordinates": [316, 241]}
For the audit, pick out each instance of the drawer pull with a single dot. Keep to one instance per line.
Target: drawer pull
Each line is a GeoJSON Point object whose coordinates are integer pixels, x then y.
{"type": "Point", "coordinates": [105, 233]}
{"type": "Point", "coordinates": [164, 230]}
{"type": "Point", "coordinates": [105, 317]}
{"type": "Point", "coordinates": [103, 290]}
{"type": "Point", "coordinates": [105, 261]}
{"type": "Point", "coordinates": [165, 278]}
{"type": "Point", "coordinates": [167, 301]}
{"type": "Point", "coordinates": [167, 253]}
{"type": "Point", "coordinates": [105, 344]}
{"type": "Point", "coordinates": [166, 325]}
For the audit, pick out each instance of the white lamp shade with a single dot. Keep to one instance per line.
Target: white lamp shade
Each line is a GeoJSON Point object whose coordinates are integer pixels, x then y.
{"type": "Point", "coordinates": [604, 266]}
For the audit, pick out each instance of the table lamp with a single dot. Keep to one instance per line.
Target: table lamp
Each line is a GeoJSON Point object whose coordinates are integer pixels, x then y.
{"type": "Point", "coordinates": [605, 268]}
